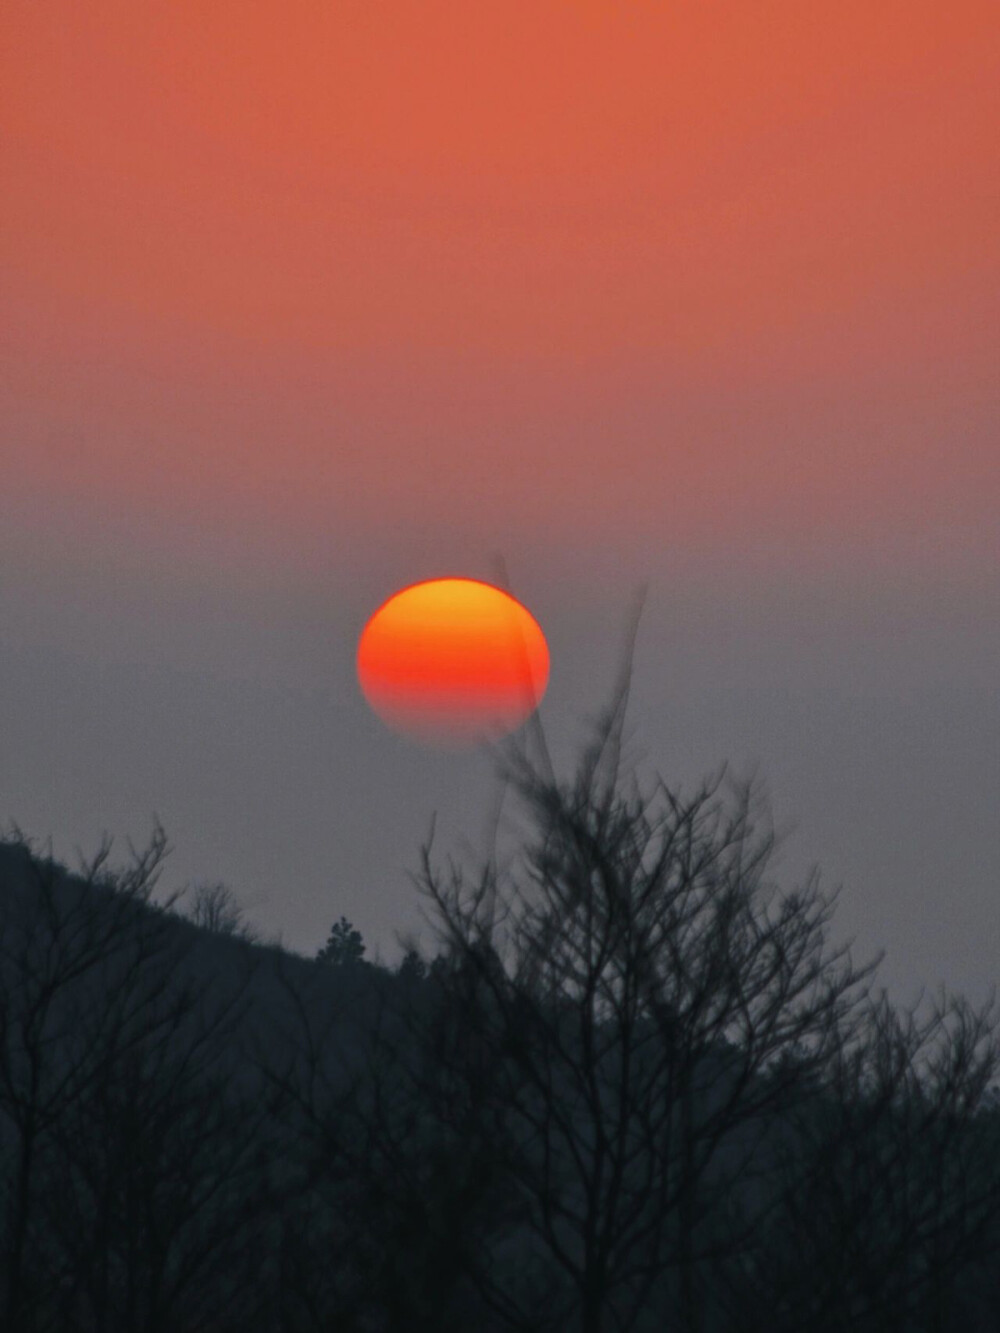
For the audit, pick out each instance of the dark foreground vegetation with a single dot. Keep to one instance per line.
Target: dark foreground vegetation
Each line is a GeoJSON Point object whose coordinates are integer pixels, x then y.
{"type": "Point", "coordinates": [638, 1088]}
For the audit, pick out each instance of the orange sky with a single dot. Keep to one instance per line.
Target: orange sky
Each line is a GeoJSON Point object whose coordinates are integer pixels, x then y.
{"type": "Point", "coordinates": [696, 266]}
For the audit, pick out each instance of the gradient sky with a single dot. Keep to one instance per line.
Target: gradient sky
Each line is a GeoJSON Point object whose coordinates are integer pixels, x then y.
{"type": "Point", "coordinates": [304, 302]}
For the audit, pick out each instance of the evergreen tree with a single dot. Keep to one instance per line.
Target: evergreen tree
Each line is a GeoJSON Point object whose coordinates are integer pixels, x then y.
{"type": "Point", "coordinates": [344, 947]}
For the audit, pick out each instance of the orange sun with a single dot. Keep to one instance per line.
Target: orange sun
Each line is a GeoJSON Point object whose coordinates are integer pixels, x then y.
{"type": "Point", "coordinates": [453, 661]}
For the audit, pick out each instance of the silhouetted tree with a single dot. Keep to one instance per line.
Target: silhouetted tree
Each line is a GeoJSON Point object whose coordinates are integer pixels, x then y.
{"type": "Point", "coordinates": [637, 1088]}
{"type": "Point", "coordinates": [77, 966]}
{"type": "Point", "coordinates": [344, 946]}
{"type": "Point", "coordinates": [412, 969]}
{"type": "Point", "coordinates": [887, 1181]}
{"type": "Point", "coordinates": [215, 907]}
{"type": "Point", "coordinates": [131, 1136]}
{"type": "Point", "coordinates": [623, 996]}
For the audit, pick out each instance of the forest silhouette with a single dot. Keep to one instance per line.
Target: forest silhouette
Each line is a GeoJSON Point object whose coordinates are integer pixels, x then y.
{"type": "Point", "coordinates": [635, 1086]}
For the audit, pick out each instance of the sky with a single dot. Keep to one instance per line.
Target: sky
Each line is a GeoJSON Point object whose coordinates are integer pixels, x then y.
{"type": "Point", "coordinates": [305, 302]}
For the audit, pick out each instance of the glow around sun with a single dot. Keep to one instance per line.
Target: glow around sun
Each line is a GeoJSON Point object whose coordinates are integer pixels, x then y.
{"type": "Point", "coordinates": [453, 661]}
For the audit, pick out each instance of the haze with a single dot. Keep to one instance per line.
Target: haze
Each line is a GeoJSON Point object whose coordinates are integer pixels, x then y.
{"type": "Point", "coordinates": [306, 302]}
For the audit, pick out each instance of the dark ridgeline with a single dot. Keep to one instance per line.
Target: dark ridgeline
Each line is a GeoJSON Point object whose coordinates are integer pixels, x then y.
{"type": "Point", "coordinates": [636, 1089]}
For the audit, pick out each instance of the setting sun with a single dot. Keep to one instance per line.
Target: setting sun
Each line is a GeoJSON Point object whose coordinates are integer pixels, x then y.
{"type": "Point", "coordinates": [453, 661]}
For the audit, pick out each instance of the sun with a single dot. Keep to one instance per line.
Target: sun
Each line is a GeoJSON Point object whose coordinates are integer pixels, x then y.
{"type": "Point", "coordinates": [453, 661]}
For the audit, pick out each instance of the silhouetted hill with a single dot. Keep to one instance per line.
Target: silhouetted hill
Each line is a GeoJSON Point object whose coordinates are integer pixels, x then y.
{"type": "Point", "coordinates": [201, 1131]}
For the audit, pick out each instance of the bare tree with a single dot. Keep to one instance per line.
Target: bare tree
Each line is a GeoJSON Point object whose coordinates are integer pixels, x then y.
{"type": "Point", "coordinates": [164, 1173]}
{"type": "Point", "coordinates": [887, 1178]}
{"type": "Point", "coordinates": [637, 1088]}
{"type": "Point", "coordinates": [628, 988]}
{"type": "Point", "coordinates": [63, 940]}
{"type": "Point", "coordinates": [130, 1133]}
{"type": "Point", "coordinates": [216, 908]}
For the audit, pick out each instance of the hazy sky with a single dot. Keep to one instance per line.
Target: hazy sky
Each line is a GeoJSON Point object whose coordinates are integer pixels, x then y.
{"type": "Point", "coordinates": [307, 301]}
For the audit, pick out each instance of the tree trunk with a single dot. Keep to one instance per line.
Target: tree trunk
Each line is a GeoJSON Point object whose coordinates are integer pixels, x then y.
{"type": "Point", "coordinates": [19, 1228]}
{"type": "Point", "coordinates": [690, 1314]}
